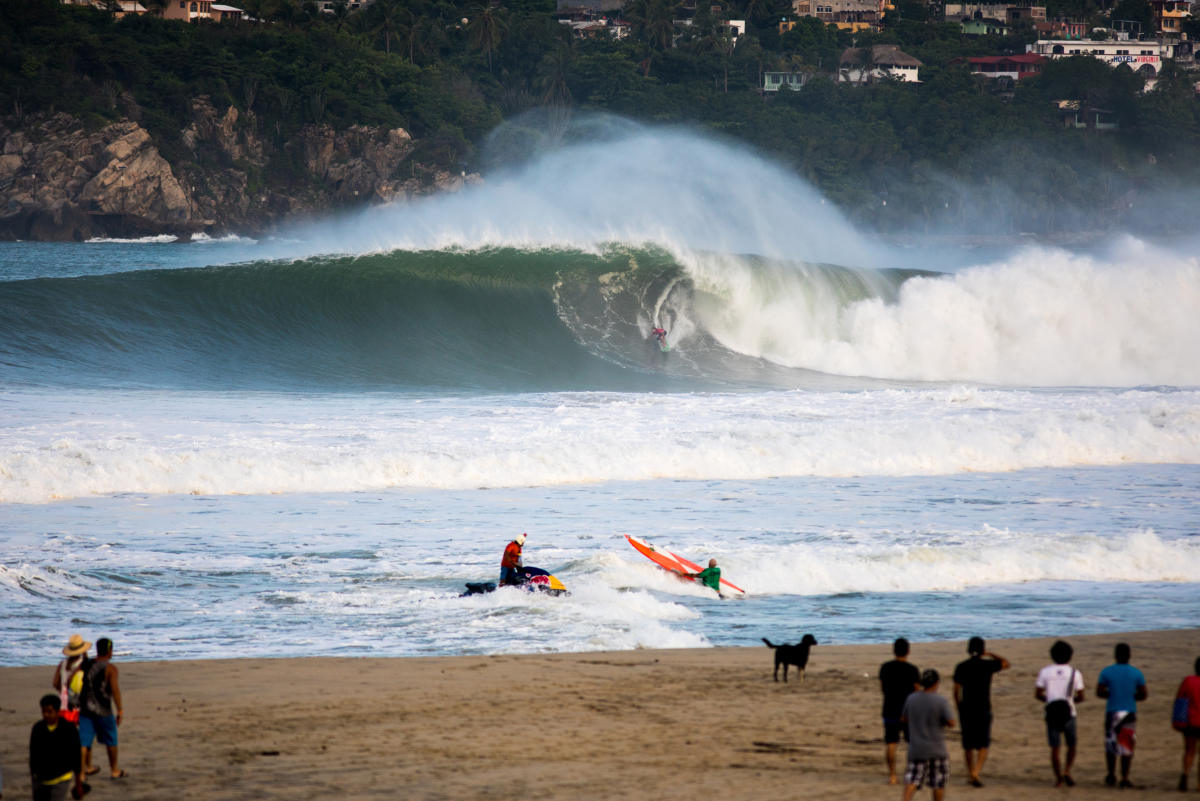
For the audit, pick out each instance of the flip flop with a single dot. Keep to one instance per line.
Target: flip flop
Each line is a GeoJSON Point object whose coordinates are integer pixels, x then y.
{"type": "Point", "coordinates": [93, 770]}
{"type": "Point", "coordinates": [120, 775]}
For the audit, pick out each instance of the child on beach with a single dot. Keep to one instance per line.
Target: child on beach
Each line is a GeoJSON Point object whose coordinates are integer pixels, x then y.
{"type": "Point", "coordinates": [927, 715]}
{"type": "Point", "coordinates": [54, 755]}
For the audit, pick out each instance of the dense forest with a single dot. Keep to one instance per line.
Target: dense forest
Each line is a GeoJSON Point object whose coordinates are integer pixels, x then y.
{"type": "Point", "coordinates": [950, 151]}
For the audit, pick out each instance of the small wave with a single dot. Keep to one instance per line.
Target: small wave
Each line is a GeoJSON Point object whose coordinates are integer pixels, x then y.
{"type": "Point", "coordinates": [968, 559]}
{"type": "Point", "coordinates": [141, 240]}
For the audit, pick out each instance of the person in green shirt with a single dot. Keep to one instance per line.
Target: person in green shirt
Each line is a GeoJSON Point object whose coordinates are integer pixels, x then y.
{"type": "Point", "coordinates": [710, 577]}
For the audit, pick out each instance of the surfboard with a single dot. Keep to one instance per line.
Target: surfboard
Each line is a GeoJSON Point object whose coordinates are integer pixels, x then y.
{"type": "Point", "coordinates": [671, 561]}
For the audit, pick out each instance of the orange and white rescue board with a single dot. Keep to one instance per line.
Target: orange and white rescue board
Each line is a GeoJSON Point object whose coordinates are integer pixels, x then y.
{"type": "Point", "coordinates": [671, 561]}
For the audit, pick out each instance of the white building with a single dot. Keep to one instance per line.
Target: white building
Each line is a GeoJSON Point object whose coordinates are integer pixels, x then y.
{"type": "Point", "coordinates": [887, 62]}
{"type": "Point", "coordinates": [1144, 58]}
{"type": "Point", "coordinates": [793, 81]}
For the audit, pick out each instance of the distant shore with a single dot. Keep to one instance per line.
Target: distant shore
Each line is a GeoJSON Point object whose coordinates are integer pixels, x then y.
{"type": "Point", "coordinates": [647, 724]}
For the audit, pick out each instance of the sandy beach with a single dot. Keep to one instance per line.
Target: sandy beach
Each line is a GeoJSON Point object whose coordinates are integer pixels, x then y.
{"type": "Point", "coordinates": [654, 724]}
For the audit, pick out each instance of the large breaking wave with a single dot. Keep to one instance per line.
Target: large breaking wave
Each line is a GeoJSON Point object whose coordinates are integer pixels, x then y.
{"type": "Point", "coordinates": [508, 319]}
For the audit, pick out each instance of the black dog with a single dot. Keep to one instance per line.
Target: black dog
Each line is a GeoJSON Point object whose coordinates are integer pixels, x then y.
{"type": "Point", "coordinates": [792, 655]}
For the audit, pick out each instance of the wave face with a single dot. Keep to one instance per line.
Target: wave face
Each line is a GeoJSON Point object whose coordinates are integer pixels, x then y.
{"type": "Point", "coordinates": [495, 319]}
{"type": "Point", "coordinates": [396, 320]}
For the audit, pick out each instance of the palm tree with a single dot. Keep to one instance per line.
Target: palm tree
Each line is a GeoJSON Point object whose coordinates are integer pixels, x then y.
{"type": "Point", "coordinates": [551, 80]}
{"type": "Point", "coordinates": [387, 16]}
{"type": "Point", "coordinates": [487, 28]}
{"type": "Point", "coordinates": [653, 26]}
{"type": "Point", "coordinates": [412, 34]}
{"type": "Point", "coordinates": [340, 11]}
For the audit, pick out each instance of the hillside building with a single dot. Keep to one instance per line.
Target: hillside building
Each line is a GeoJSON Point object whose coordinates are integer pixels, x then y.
{"type": "Point", "coordinates": [848, 15]}
{"type": "Point", "coordinates": [1144, 58]}
{"type": "Point", "coordinates": [882, 62]}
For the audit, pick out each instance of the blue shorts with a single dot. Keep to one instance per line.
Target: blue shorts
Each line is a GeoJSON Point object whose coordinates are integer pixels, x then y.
{"type": "Point", "coordinates": [103, 729]}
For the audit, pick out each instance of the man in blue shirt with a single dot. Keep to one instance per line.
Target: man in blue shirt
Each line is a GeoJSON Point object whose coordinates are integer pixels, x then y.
{"type": "Point", "coordinates": [1123, 685]}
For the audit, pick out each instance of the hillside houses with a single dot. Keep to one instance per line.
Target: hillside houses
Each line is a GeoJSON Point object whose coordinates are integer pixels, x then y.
{"type": "Point", "coordinates": [848, 15]}
{"type": "Point", "coordinates": [1013, 68]}
{"type": "Point", "coordinates": [1009, 14]}
{"type": "Point", "coordinates": [882, 62]}
{"type": "Point", "coordinates": [193, 10]}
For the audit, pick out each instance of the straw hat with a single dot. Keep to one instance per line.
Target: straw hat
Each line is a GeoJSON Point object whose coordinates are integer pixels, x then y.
{"type": "Point", "coordinates": [76, 646]}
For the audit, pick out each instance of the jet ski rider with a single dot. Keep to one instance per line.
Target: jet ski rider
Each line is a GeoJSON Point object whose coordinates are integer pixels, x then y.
{"type": "Point", "coordinates": [511, 564]}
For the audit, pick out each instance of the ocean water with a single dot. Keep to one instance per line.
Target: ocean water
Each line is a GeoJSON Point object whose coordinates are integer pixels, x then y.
{"type": "Point", "coordinates": [309, 443]}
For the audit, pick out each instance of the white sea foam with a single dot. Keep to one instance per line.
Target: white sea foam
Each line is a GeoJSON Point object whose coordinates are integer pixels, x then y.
{"type": "Point", "coordinates": [141, 240]}
{"type": "Point", "coordinates": [1042, 317]}
{"type": "Point", "coordinates": [949, 561]}
{"type": "Point", "coordinates": [203, 238]}
{"type": "Point", "coordinates": [99, 444]}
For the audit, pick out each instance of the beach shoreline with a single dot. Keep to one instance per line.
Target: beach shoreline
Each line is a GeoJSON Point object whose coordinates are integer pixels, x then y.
{"type": "Point", "coordinates": [661, 724]}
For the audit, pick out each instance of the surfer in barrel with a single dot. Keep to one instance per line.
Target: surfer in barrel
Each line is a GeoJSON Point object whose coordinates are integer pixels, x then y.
{"type": "Point", "coordinates": [710, 577]}
{"type": "Point", "coordinates": [511, 564]}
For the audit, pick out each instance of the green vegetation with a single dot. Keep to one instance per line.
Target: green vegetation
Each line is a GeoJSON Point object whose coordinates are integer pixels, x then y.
{"type": "Point", "coordinates": [950, 150]}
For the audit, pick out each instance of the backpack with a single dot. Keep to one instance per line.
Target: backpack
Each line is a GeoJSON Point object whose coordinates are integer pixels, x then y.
{"type": "Point", "coordinates": [84, 689]}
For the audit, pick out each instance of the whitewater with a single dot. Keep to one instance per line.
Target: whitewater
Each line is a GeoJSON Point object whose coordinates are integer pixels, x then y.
{"type": "Point", "coordinates": [309, 442]}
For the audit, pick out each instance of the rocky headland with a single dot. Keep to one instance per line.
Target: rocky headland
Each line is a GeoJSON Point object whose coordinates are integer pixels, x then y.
{"type": "Point", "coordinates": [64, 179]}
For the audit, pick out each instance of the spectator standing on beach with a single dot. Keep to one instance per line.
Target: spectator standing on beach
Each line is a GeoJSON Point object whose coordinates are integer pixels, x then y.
{"type": "Point", "coordinates": [1186, 718]}
{"type": "Point", "coordinates": [68, 680]}
{"type": "Point", "coordinates": [973, 696]}
{"type": "Point", "coordinates": [927, 714]}
{"type": "Point", "coordinates": [1123, 685]}
{"type": "Point", "coordinates": [898, 678]}
{"type": "Point", "coordinates": [510, 563]}
{"type": "Point", "coordinates": [54, 755]}
{"type": "Point", "coordinates": [98, 721]}
{"type": "Point", "coordinates": [1060, 687]}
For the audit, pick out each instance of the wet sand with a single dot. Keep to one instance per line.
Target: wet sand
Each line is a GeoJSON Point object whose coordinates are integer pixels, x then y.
{"type": "Point", "coordinates": [649, 724]}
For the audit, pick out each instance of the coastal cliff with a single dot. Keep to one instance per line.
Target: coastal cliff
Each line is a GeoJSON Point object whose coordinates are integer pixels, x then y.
{"type": "Point", "coordinates": [61, 179]}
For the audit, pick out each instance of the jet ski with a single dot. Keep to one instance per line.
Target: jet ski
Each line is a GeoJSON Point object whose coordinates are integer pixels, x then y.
{"type": "Point", "coordinates": [530, 579]}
